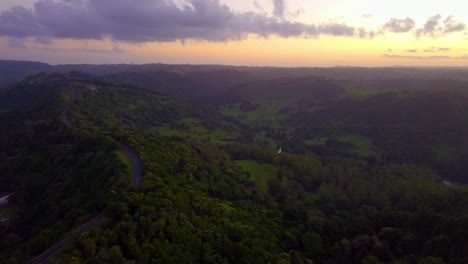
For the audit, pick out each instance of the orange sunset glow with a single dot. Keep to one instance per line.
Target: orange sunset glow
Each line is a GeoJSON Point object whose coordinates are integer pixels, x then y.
{"type": "Point", "coordinates": [295, 33]}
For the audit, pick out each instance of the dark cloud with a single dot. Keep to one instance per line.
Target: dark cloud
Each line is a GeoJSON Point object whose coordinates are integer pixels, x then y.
{"type": "Point", "coordinates": [435, 28]}
{"type": "Point", "coordinates": [430, 27]}
{"type": "Point", "coordinates": [363, 33]}
{"type": "Point", "coordinates": [412, 51]}
{"type": "Point", "coordinates": [14, 23]}
{"type": "Point", "coordinates": [85, 48]}
{"type": "Point", "coordinates": [399, 25]}
{"type": "Point", "coordinates": [153, 20]}
{"type": "Point", "coordinates": [44, 40]}
{"type": "Point", "coordinates": [20, 43]}
{"type": "Point", "coordinates": [451, 25]}
{"type": "Point", "coordinates": [336, 29]}
{"type": "Point", "coordinates": [279, 8]}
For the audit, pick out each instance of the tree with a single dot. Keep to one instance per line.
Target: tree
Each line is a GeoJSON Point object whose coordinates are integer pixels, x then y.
{"type": "Point", "coordinates": [312, 243]}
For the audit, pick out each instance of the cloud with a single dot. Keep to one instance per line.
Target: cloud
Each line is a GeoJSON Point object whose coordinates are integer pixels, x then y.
{"type": "Point", "coordinates": [118, 49]}
{"type": "Point", "coordinates": [363, 33]}
{"type": "Point", "coordinates": [296, 13]}
{"type": "Point", "coordinates": [443, 49]}
{"type": "Point", "coordinates": [424, 57]}
{"type": "Point", "coordinates": [16, 43]}
{"type": "Point", "coordinates": [430, 27]}
{"type": "Point", "coordinates": [279, 8]}
{"type": "Point", "coordinates": [451, 25]}
{"type": "Point", "coordinates": [20, 43]}
{"type": "Point", "coordinates": [437, 49]}
{"type": "Point", "coordinates": [399, 25]}
{"type": "Point", "coordinates": [257, 5]}
{"type": "Point", "coordinates": [412, 50]}
{"type": "Point", "coordinates": [434, 28]}
{"type": "Point", "coordinates": [86, 47]}
{"type": "Point", "coordinates": [336, 29]}
{"type": "Point", "coordinates": [44, 40]}
{"type": "Point", "coordinates": [367, 15]}
{"type": "Point", "coordinates": [154, 20]}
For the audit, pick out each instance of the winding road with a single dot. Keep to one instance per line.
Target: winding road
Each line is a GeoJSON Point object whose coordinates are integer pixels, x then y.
{"type": "Point", "coordinates": [136, 172]}
{"type": "Point", "coordinates": [136, 163]}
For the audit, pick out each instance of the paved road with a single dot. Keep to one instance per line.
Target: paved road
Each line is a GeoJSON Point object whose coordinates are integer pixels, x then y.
{"type": "Point", "coordinates": [136, 163]}
{"type": "Point", "coordinates": [136, 172]}
{"type": "Point", "coordinates": [49, 252]}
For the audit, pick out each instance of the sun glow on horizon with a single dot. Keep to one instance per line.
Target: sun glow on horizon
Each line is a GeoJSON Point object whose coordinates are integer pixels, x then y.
{"type": "Point", "coordinates": [337, 32]}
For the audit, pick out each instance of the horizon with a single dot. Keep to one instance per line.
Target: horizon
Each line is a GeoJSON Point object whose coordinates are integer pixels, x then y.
{"type": "Point", "coordinates": [245, 66]}
{"type": "Point", "coordinates": [272, 33]}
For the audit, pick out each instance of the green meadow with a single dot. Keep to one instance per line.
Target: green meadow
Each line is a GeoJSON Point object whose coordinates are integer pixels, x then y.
{"type": "Point", "coordinates": [261, 173]}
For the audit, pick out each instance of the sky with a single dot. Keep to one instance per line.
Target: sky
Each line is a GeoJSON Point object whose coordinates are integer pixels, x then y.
{"type": "Point", "coordinates": [287, 33]}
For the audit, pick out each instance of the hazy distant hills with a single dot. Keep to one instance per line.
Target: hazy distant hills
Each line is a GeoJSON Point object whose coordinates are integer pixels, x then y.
{"type": "Point", "coordinates": [14, 71]}
{"type": "Point", "coordinates": [201, 80]}
{"type": "Point", "coordinates": [305, 88]}
{"type": "Point", "coordinates": [194, 85]}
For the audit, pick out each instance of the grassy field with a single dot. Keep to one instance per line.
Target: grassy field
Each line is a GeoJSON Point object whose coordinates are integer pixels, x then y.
{"type": "Point", "coordinates": [216, 136]}
{"type": "Point", "coordinates": [362, 146]}
{"type": "Point", "coordinates": [260, 172]}
{"type": "Point", "coordinates": [316, 141]}
{"type": "Point", "coordinates": [267, 113]}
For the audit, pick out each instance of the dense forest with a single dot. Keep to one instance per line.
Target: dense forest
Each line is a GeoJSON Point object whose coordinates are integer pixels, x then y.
{"type": "Point", "coordinates": [269, 168]}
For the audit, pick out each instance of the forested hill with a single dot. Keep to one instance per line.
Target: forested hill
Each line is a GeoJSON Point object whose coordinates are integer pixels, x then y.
{"type": "Point", "coordinates": [15, 71]}
{"type": "Point", "coordinates": [309, 176]}
{"type": "Point", "coordinates": [59, 178]}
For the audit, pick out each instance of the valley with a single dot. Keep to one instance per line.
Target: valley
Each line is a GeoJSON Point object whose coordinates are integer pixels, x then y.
{"type": "Point", "coordinates": [263, 169]}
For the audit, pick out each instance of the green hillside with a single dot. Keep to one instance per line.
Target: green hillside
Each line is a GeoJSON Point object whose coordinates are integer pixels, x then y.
{"type": "Point", "coordinates": [318, 173]}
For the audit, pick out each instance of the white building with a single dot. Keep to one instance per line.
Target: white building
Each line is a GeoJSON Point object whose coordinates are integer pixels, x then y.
{"type": "Point", "coordinates": [4, 199]}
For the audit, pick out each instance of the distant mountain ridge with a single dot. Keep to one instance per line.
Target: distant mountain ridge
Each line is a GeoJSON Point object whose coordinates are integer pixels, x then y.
{"type": "Point", "coordinates": [15, 71]}
{"type": "Point", "coordinates": [186, 77]}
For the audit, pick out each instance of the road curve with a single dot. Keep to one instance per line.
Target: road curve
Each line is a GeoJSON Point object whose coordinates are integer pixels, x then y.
{"type": "Point", "coordinates": [136, 180]}
{"type": "Point", "coordinates": [136, 163]}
